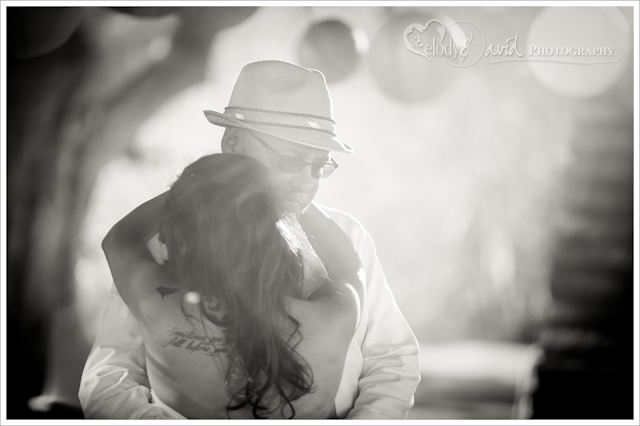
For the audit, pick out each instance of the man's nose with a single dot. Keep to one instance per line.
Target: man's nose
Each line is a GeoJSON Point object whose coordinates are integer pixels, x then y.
{"type": "Point", "coordinates": [303, 181]}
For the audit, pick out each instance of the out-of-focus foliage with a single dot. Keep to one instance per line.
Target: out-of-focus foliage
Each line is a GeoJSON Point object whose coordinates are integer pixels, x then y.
{"type": "Point", "coordinates": [34, 31]}
{"type": "Point", "coordinates": [331, 47]}
{"type": "Point", "coordinates": [587, 27]}
{"type": "Point", "coordinates": [404, 75]}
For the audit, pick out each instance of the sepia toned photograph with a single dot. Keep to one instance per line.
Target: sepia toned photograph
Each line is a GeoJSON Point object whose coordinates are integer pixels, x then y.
{"type": "Point", "coordinates": [396, 212]}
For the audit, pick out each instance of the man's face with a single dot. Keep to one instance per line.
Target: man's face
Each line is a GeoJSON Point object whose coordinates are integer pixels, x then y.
{"type": "Point", "coordinates": [294, 191]}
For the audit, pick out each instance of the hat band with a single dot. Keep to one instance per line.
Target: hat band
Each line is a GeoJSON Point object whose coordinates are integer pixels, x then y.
{"type": "Point", "coordinates": [283, 119]}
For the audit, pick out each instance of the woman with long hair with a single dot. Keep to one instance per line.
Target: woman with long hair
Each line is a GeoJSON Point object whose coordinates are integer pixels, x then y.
{"type": "Point", "coordinates": [226, 331]}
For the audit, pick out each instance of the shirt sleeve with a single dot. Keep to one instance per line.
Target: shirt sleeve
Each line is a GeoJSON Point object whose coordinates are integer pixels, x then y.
{"type": "Point", "coordinates": [390, 351]}
{"type": "Point", "coordinates": [114, 382]}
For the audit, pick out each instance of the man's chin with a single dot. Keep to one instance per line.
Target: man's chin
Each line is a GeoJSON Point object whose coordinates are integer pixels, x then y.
{"type": "Point", "coordinates": [294, 208]}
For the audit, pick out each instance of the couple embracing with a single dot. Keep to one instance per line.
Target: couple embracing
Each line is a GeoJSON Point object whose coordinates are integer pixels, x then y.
{"type": "Point", "coordinates": [236, 297]}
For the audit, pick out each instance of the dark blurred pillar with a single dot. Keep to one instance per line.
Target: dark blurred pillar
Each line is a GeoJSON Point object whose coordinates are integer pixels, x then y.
{"type": "Point", "coordinates": [587, 372]}
{"type": "Point", "coordinates": [61, 129]}
{"type": "Point", "coordinates": [39, 92]}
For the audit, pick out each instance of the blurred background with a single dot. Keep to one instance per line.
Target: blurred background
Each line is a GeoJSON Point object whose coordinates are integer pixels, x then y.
{"type": "Point", "coordinates": [499, 196]}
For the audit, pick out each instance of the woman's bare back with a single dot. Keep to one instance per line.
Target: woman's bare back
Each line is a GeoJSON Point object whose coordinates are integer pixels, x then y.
{"type": "Point", "coordinates": [188, 359]}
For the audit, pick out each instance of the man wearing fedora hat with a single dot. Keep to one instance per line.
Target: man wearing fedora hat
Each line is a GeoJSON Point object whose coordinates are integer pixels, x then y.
{"type": "Point", "coordinates": [280, 114]}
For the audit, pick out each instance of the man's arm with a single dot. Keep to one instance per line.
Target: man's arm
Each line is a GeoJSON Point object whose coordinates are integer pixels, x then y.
{"type": "Point", "coordinates": [391, 372]}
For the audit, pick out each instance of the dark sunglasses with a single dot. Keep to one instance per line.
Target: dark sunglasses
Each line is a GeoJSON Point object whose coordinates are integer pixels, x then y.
{"type": "Point", "coordinates": [289, 164]}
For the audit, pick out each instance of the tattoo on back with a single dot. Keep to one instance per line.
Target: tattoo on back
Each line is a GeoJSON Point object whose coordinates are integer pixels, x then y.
{"type": "Point", "coordinates": [194, 342]}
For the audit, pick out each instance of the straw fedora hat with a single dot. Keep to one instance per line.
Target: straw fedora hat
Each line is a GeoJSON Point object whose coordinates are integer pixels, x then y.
{"type": "Point", "coordinates": [283, 100]}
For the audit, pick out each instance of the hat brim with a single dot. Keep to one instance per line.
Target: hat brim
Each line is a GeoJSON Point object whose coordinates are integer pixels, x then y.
{"type": "Point", "coordinates": [309, 138]}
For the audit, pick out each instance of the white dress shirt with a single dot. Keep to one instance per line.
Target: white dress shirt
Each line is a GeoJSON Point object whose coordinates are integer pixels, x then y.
{"type": "Point", "coordinates": [380, 376]}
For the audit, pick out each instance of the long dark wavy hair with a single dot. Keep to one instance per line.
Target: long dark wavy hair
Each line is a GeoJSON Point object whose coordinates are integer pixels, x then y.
{"type": "Point", "coordinates": [225, 240]}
